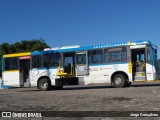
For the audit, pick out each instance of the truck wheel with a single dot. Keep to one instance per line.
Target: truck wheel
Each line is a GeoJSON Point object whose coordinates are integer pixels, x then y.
{"type": "Point", "coordinates": [119, 81]}
{"type": "Point", "coordinates": [44, 84]}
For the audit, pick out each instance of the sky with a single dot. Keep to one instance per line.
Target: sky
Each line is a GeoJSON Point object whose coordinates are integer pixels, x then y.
{"type": "Point", "coordinates": [80, 22]}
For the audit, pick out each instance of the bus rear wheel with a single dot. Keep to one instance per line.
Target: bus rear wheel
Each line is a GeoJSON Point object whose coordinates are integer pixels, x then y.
{"type": "Point", "coordinates": [44, 84]}
{"type": "Point", "coordinates": [119, 81]}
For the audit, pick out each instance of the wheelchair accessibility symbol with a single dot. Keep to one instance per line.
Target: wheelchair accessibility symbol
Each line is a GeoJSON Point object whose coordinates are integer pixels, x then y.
{"type": "Point", "coordinates": [81, 68]}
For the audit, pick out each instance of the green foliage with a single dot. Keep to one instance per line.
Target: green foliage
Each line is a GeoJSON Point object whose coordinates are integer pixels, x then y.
{"type": "Point", "coordinates": [22, 46]}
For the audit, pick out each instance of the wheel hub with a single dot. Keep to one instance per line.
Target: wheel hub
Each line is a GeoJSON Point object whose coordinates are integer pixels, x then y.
{"type": "Point", "coordinates": [118, 81]}
{"type": "Point", "coordinates": [44, 85]}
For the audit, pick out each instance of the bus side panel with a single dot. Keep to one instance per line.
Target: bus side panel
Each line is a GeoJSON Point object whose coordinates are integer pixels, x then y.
{"type": "Point", "coordinates": [99, 73]}
{"type": "Point", "coordinates": [33, 77]}
{"type": "Point", "coordinates": [35, 74]}
{"type": "Point", "coordinates": [103, 73]}
{"type": "Point", "coordinates": [150, 71]}
{"type": "Point", "coordinates": [84, 80]}
{"type": "Point", "coordinates": [52, 75]}
{"type": "Point", "coordinates": [152, 75]}
{"type": "Point", "coordinates": [125, 68]}
{"type": "Point", "coordinates": [11, 78]}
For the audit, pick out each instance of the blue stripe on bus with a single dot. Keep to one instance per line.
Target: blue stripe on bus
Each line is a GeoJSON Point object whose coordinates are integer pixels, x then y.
{"type": "Point", "coordinates": [141, 42]}
{"type": "Point", "coordinates": [42, 52]}
{"type": "Point", "coordinates": [75, 49]}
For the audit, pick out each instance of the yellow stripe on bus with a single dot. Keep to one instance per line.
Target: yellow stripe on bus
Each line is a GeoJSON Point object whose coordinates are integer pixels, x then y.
{"type": "Point", "coordinates": [129, 67]}
{"type": "Point", "coordinates": [16, 55]}
{"type": "Point", "coordinates": [11, 71]}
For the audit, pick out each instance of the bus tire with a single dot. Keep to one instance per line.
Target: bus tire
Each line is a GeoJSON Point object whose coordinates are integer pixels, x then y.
{"type": "Point", "coordinates": [119, 81]}
{"type": "Point", "coordinates": [44, 84]}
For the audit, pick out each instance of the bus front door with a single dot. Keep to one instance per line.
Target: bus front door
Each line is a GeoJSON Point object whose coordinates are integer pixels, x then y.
{"type": "Point", "coordinates": [24, 70]}
{"type": "Point", "coordinates": [82, 63]}
{"type": "Point", "coordinates": [139, 64]}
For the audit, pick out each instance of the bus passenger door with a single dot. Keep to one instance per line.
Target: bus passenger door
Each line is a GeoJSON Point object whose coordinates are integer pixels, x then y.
{"type": "Point", "coordinates": [69, 63]}
{"type": "Point", "coordinates": [24, 70]}
{"type": "Point", "coordinates": [82, 63]}
{"type": "Point", "coordinates": [139, 64]}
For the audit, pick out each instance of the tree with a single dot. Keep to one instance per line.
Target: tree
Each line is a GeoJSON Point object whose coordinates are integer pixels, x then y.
{"type": "Point", "coordinates": [22, 46]}
{"type": "Point", "coordinates": [4, 48]}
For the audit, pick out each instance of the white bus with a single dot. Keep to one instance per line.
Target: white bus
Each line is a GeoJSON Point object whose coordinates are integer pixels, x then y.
{"type": "Point", "coordinates": [119, 64]}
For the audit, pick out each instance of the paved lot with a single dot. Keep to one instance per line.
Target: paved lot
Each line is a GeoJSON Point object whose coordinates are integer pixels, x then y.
{"type": "Point", "coordinates": [138, 97]}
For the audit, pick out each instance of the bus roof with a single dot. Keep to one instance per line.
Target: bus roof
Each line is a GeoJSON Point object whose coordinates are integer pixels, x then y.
{"type": "Point", "coordinates": [70, 49]}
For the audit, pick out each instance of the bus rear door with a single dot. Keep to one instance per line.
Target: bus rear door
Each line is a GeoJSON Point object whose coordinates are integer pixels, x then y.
{"type": "Point", "coordinates": [24, 70]}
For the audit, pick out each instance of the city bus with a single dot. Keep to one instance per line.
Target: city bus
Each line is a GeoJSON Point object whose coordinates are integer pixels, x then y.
{"type": "Point", "coordinates": [119, 64]}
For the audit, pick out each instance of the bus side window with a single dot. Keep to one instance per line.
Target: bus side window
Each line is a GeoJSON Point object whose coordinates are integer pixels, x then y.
{"type": "Point", "coordinates": [117, 54]}
{"type": "Point", "coordinates": [124, 54]}
{"type": "Point", "coordinates": [55, 60]}
{"type": "Point", "coordinates": [81, 59]}
{"type": "Point", "coordinates": [36, 61]}
{"type": "Point", "coordinates": [46, 60]}
{"type": "Point", "coordinates": [96, 56]}
{"type": "Point", "coordinates": [39, 61]}
{"type": "Point", "coordinates": [106, 56]}
{"type": "Point", "coordinates": [11, 63]}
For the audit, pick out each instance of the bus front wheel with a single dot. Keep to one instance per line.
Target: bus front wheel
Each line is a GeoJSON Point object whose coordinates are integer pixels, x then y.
{"type": "Point", "coordinates": [119, 81]}
{"type": "Point", "coordinates": [44, 84]}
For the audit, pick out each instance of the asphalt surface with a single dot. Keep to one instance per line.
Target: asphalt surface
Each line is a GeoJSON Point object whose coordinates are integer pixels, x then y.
{"type": "Point", "coordinates": [138, 98]}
